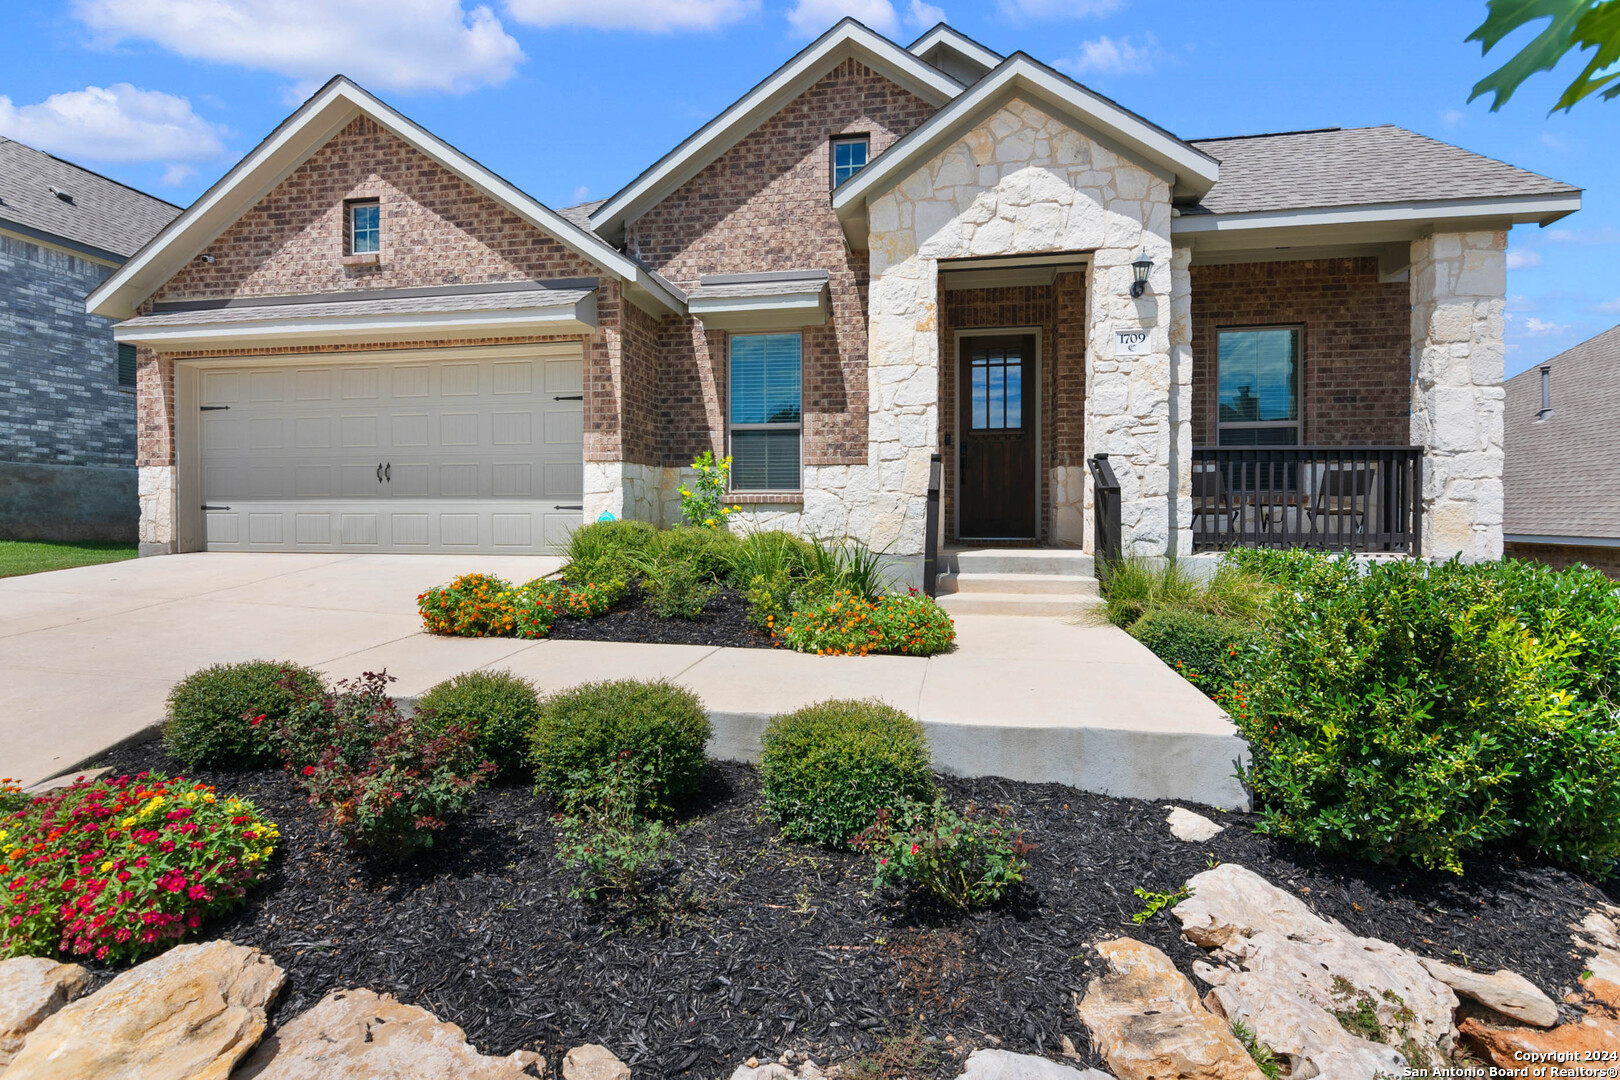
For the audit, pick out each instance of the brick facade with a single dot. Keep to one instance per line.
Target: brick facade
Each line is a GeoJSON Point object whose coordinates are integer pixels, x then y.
{"type": "Point", "coordinates": [1561, 556]}
{"type": "Point", "coordinates": [1356, 351]}
{"type": "Point", "coordinates": [765, 205]}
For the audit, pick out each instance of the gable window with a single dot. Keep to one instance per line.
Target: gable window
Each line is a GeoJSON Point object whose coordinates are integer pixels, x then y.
{"type": "Point", "coordinates": [766, 420]}
{"type": "Point", "coordinates": [365, 227]}
{"type": "Point", "coordinates": [848, 157]}
{"type": "Point", "coordinates": [1258, 386]}
{"type": "Point", "coordinates": [126, 364]}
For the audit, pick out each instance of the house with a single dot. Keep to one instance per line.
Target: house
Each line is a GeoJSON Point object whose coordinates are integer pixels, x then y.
{"type": "Point", "coordinates": [362, 340]}
{"type": "Point", "coordinates": [1562, 476]}
{"type": "Point", "coordinates": [67, 390]}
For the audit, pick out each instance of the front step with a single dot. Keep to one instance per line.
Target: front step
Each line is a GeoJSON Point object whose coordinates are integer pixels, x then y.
{"type": "Point", "coordinates": [1014, 581]}
{"type": "Point", "coordinates": [1047, 584]}
{"type": "Point", "coordinates": [1022, 561]}
{"type": "Point", "coordinates": [988, 603]}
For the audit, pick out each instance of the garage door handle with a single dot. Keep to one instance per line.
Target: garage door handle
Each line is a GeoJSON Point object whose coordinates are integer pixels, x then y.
{"type": "Point", "coordinates": [379, 472]}
{"type": "Point", "coordinates": [388, 472]}
{"type": "Point", "coordinates": [580, 507]}
{"type": "Point", "coordinates": [567, 397]}
{"type": "Point", "coordinates": [212, 408]}
{"type": "Point", "coordinates": [206, 506]}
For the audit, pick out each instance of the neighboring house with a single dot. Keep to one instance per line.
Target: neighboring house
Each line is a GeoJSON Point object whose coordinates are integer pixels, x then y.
{"type": "Point", "coordinates": [1563, 458]}
{"type": "Point", "coordinates": [67, 390]}
{"type": "Point", "coordinates": [361, 340]}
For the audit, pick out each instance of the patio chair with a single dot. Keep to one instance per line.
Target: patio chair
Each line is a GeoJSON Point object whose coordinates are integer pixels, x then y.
{"type": "Point", "coordinates": [1343, 494]}
{"type": "Point", "coordinates": [1211, 499]}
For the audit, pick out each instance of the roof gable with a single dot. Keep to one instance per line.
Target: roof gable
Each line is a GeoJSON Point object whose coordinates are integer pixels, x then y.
{"type": "Point", "coordinates": [849, 39]}
{"type": "Point", "coordinates": [300, 136]}
{"type": "Point", "coordinates": [954, 53]}
{"type": "Point", "coordinates": [105, 219]}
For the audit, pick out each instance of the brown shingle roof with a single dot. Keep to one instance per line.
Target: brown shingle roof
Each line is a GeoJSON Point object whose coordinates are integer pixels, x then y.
{"type": "Point", "coordinates": [1356, 166]}
{"type": "Point", "coordinates": [1562, 475]}
{"type": "Point", "coordinates": [103, 214]}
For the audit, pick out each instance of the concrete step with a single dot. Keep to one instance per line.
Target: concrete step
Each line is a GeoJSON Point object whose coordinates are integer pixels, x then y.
{"type": "Point", "coordinates": [1050, 584]}
{"type": "Point", "coordinates": [1006, 603]}
{"type": "Point", "coordinates": [1023, 561]}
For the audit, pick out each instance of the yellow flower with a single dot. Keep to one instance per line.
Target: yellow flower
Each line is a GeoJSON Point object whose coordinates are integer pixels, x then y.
{"type": "Point", "coordinates": [126, 823]}
{"type": "Point", "coordinates": [208, 798]}
{"type": "Point", "coordinates": [252, 856]}
{"type": "Point", "coordinates": [106, 866]}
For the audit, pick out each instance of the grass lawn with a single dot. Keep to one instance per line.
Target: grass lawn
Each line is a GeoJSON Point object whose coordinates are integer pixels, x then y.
{"type": "Point", "coordinates": [36, 556]}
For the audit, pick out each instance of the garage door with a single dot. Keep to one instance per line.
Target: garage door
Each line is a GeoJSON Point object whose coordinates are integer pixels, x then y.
{"type": "Point", "coordinates": [470, 454]}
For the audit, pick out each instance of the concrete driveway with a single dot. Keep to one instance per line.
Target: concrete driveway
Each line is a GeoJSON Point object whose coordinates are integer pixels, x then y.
{"type": "Point", "coordinates": [87, 656]}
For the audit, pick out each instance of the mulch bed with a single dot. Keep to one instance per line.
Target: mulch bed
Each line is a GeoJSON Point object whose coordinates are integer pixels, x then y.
{"type": "Point", "coordinates": [758, 945]}
{"type": "Point", "coordinates": [724, 622]}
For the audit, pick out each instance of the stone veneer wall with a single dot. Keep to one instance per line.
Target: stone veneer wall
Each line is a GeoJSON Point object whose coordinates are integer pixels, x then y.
{"type": "Point", "coordinates": [1021, 181]}
{"type": "Point", "coordinates": [1458, 290]}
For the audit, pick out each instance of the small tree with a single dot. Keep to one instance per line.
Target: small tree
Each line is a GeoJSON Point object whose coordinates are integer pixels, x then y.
{"type": "Point", "coordinates": [706, 507]}
{"type": "Point", "coordinates": [1572, 24]}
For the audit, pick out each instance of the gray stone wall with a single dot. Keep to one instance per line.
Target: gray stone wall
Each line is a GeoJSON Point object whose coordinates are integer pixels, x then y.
{"type": "Point", "coordinates": [60, 403]}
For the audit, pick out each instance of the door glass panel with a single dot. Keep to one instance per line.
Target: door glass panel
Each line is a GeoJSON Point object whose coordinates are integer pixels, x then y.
{"type": "Point", "coordinates": [997, 391]}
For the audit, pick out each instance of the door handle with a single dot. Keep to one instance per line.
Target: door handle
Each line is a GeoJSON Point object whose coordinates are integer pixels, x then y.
{"type": "Point", "coordinates": [379, 472]}
{"type": "Point", "coordinates": [388, 472]}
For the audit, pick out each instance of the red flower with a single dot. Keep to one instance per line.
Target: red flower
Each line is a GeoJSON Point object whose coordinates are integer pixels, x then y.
{"type": "Point", "coordinates": [309, 770]}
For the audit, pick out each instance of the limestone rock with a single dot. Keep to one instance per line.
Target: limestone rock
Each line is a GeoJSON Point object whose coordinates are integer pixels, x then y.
{"type": "Point", "coordinates": [1299, 1032]}
{"type": "Point", "coordinates": [1146, 1021]}
{"type": "Point", "coordinates": [1597, 1029]}
{"type": "Point", "coordinates": [1005, 1065]}
{"type": "Point", "coordinates": [1231, 900]}
{"type": "Point", "coordinates": [363, 1035]}
{"type": "Point", "coordinates": [1191, 827]}
{"type": "Point", "coordinates": [594, 1062]}
{"type": "Point", "coordinates": [31, 988]}
{"type": "Point", "coordinates": [1504, 991]}
{"type": "Point", "coordinates": [1599, 935]}
{"type": "Point", "coordinates": [190, 1014]}
{"type": "Point", "coordinates": [776, 1070]}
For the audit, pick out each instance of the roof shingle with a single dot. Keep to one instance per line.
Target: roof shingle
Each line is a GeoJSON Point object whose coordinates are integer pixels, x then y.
{"type": "Point", "coordinates": [103, 214]}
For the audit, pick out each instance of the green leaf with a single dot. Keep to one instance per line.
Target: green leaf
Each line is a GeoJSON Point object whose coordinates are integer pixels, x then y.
{"type": "Point", "coordinates": [1598, 29]}
{"type": "Point", "coordinates": [1543, 52]}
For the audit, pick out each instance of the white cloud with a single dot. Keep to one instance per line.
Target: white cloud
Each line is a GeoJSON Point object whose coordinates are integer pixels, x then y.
{"type": "Point", "coordinates": [1523, 260]}
{"type": "Point", "coordinates": [1452, 117]}
{"type": "Point", "coordinates": [657, 16]}
{"type": "Point", "coordinates": [175, 175]}
{"type": "Point", "coordinates": [810, 18]}
{"type": "Point", "coordinates": [1584, 237]}
{"type": "Point", "coordinates": [581, 194]}
{"type": "Point", "coordinates": [922, 15]}
{"type": "Point", "coordinates": [411, 45]}
{"type": "Point", "coordinates": [1059, 9]}
{"type": "Point", "coordinates": [1113, 56]}
{"type": "Point", "coordinates": [115, 123]}
{"type": "Point", "coordinates": [1608, 307]}
{"type": "Point", "coordinates": [1540, 328]}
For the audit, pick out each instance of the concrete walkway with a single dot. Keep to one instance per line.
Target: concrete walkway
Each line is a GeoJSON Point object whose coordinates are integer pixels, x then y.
{"type": "Point", "coordinates": [87, 656]}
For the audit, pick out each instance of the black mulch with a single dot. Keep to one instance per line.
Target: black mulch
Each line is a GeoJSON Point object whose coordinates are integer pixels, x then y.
{"type": "Point", "coordinates": [762, 945]}
{"type": "Point", "coordinates": [724, 622]}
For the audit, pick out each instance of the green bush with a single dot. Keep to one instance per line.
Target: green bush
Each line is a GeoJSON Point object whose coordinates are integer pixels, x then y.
{"type": "Point", "coordinates": [961, 860]}
{"type": "Point", "coordinates": [1408, 711]}
{"type": "Point", "coordinates": [1208, 650]}
{"type": "Point", "coordinates": [847, 565]}
{"type": "Point", "coordinates": [497, 706]}
{"type": "Point", "coordinates": [604, 549]}
{"type": "Point", "coordinates": [675, 590]}
{"type": "Point", "coordinates": [770, 554]}
{"type": "Point", "coordinates": [828, 769]}
{"type": "Point", "coordinates": [212, 713]}
{"type": "Point", "coordinates": [709, 552]}
{"type": "Point", "coordinates": [608, 843]}
{"type": "Point", "coordinates": [1134, 586]}
{"type": "Point", "coordinates": [584, 733]}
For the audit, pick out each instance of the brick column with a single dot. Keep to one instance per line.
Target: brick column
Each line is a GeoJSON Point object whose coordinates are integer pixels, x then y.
{"type": "Point", "coordinates": [1459, 285]}
{"type": "Point", "coordinates": [154, 453]}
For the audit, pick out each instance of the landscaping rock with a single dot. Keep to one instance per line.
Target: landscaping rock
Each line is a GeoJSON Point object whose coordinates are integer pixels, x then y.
{"type": "Point", "coordinates": [778, 1070]}
{"type": "Point", "coordinates": [1599, 935]}
{"type": "Point", "coordinates": [1191, 827]}
{"type": "Point", "coordinates": [31, 988]}
{"type": "Point", "coordinates": [1302, 1034]}
{"type": "Point", "coordinates": [1504, 991]}
{"type": "Point", "coordinates": [363, 1035]}
{"type": "Point", "coordinates": [1005, 1065]}
{"type": "Point", "coordinates": [190, 1014]}
{"type": "Point", "coordinates": [1230, 901]}
{"type": "Point", "coordinates": [594, 1062]}
{"type": "Point", "coordinates": [1597, 1029]}
{"type": "Point", "coordinates": [1146, 1021]}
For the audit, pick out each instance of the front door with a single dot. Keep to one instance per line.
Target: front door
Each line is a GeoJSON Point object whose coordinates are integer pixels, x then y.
{"type": "Point", "coordinates": [997, 462]}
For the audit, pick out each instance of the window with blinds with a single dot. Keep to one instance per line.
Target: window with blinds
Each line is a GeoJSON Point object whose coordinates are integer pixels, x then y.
{"type": "Point", "coordinates": [766, 422]}
{"type": "Point", "coordinates": [126, 365]}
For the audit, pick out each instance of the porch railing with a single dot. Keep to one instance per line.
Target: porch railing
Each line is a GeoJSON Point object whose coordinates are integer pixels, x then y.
{"type": "Point", "coordinates": [1337, 498]}
{"type": "Point", "coordinates": [1105, 539]}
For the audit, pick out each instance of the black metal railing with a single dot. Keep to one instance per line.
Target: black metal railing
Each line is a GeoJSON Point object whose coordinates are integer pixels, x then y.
{"type": "Point", "coordinates": [1336, 498]}
{"type": "Point", "coordinates": [1105, 513]}
{"type": "Point", "coordinates": [931, 529]}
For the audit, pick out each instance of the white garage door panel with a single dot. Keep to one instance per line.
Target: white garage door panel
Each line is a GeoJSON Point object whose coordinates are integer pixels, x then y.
{"type": "Point", "coordinates": [454, 455]}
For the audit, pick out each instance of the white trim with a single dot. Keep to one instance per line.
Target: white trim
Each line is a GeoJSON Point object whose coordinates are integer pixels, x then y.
{"type": "Point", "coordinates": [958, 429]}
{"type": "Point", "coordinates": [1564, 541]}
{"type": "Point", "coordinates": [1521, 209]}
{"type": "Point", "coordinates": [847, 39]}
{"type": "Point", "coordinates": [575, 318]}
{"type": "Point", "coordinates": [785, 311]}
{"type": "Point", "coordinates": [1193, 171]}
{"type": "Point", "coordinates": [957, 42]}
{"type": "Point", "coordinates": [571, 349]}
{"type": "Point", "coordinates": [739, 495]}
{"type": "Point", "coordinates": [289, 146]}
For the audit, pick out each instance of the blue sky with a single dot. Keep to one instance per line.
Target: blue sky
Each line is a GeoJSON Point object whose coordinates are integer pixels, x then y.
{"type": "Point", "coordinates": [570, 99]}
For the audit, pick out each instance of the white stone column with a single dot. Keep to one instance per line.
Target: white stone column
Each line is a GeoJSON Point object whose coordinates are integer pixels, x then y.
{"type": "Point", "coordinates": [158, 528]}
{"type": "Point", "coordinates": [1181, 403]}
{"type": "Point", "coordinates": [625, 489]}
{"type": "Point", "coordinates": [1459, 286]}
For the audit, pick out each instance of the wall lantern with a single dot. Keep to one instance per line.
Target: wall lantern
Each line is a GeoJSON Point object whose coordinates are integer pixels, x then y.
{"type": "Point", "coordinates": [1141, 268]}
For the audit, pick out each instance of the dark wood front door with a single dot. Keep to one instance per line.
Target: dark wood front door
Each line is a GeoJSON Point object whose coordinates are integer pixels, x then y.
{"type": "Point", "coordinates": [995, 379]}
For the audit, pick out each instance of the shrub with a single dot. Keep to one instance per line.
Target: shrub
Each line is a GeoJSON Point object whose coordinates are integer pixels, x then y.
{"type": "Point", "coordinates": [769, 554]}
{"type": "Point", "coordinates": [673, 590]}
{"type": "Point", "coordinates": [213, 713]}
{"type": "Point", "coordinates": [850, 566]}
{"type": "Point", "coordinates": [12, 797]}
{"type": "Point", "coordinates": [913, 624]}
{"type": "Point", "coordinates": [656, 730]}
{"type": "Point", "coordinates": [477, 605]}
{"type": "Point", "coordinates": [1135, 586]}
{"type": "Point", "coordinates": [1208, 650]}
{"type": "Point", "coordinates": [709, 552]}
{"type": "Point", "coordinates": [841, 624]}
{"type": "Point", "coordinates": [384, 780]}
{"type": "Point", "coordinates": [961, 860]}
{"type": "Point", "coordinates": [607, 841]}
{"type": "Point", "coordinates": [1401, 709]}
{"type": "Point", "coordinates": [770, 599]}
{"type": "Point", "coordinates": [828, 768]}
{"type": "Point", "coordinates": [498, 707]}
{"type": "Point", "coordinates": [472, 605]}
{"type": "Point", "coordinates": [116, 869]}
{"type": "Point", "coordinates": [703, 501]}
{"type": "Point", "coordinates": [604, 547]}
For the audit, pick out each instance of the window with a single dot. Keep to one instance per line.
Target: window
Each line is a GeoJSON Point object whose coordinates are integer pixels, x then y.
{"type": "Point", "coordinates": [126, 364]}
{"type": "Point", "coordinates": [997, 393]}
{"type": "Point", "coordinates": [848, 158]}
{"type": "Point", "coordinates": [365, 228]}
{"type": "Point", "coordinates": [765, 418]}
{"type": "Point", "coordinates": [1258, 397]}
